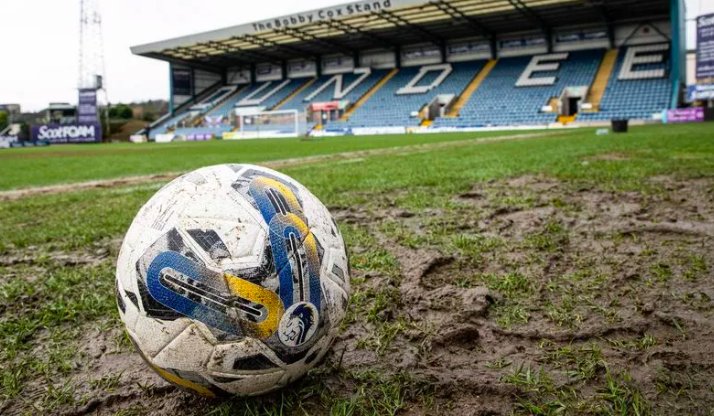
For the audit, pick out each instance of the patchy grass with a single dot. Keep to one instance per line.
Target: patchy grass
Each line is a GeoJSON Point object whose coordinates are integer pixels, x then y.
{"type": "Point", "coordinates": [73, 163]}
{"type": "Point", "coordinates": [556, 287]}
{"type": "Point", "coordinates": [622, 396]}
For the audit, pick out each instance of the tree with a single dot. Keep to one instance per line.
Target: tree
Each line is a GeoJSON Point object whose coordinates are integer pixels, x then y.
{"type": "Point", "coordinates": [149, 116]}
{"type": "Point", "coordinates": [3, 120]}
{"type": "Point", "coordinates": [121, 111]}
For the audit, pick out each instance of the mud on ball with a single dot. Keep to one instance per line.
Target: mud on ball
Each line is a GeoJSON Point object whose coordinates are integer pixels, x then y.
{"type": "Point", "coordinates": [232, 278]}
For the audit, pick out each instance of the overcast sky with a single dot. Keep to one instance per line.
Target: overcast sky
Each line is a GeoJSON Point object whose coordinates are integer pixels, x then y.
{"type": "Point", "coordinates": [40, 42]}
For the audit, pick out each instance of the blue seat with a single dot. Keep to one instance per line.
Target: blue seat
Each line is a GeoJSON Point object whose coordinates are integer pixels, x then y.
{"type": "Point", "coordinates": [499, 102]}
{"type": "Point", "coordinates": [633, 99]}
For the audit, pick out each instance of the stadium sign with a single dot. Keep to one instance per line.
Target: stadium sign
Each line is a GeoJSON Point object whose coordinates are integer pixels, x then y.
{"type": "Point", "coordinates": [7, 141]}
{"type": "Point", "coordinates": [684, 115]}
{"type": "Point", "coordinates": [705, 47]}
{"type": "Point", "coordinates": [87, 108]}
{"type": "Point", "coordinates": [700, 93]}
{"type": "Point", "coordinates": [70, 133]}
{"type": "Point", "coordinates": [329, 13]}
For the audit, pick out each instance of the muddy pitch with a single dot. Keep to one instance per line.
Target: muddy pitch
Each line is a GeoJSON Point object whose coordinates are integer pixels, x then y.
{"type": "Point", "coordinates": [527, 295]}
{"type": "Point", "coordinates": [560, 292]}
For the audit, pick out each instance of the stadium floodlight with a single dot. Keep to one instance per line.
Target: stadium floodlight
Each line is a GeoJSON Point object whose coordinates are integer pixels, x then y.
{"type": "Point", "coordinates": [91, 46]}
{"type": "Point", "coordinates": [270, 124]}
{"type": "Point", "coordinates": [91, 84]}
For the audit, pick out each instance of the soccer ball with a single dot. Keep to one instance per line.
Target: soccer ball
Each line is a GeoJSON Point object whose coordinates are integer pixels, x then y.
{"type": "Point", "coordinates": [232, 278]}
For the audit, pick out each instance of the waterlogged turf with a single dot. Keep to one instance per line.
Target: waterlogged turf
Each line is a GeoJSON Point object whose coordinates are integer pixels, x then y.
{"type": "Point", "coordinates": [559, 275]}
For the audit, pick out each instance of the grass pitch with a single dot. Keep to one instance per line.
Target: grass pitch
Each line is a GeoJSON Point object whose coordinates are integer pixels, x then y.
{"type": "Point", "coordinates": [569, 273]}
{"type": "Point", "coordinates": [25, 167]}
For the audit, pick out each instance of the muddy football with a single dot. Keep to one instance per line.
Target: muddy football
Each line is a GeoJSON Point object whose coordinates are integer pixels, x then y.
{"type": "Point", "coordinates": [232, 279]}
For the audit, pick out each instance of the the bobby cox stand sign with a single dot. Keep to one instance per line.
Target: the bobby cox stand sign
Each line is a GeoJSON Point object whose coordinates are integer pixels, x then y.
{"type": "Point", "coordinates": [323, 14]}
{"type": "Point", "coordinates": [68, 133]}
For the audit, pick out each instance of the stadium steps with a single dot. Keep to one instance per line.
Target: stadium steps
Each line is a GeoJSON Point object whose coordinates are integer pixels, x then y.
{"type": "Point", "coordinates": [553, 103]}
{"type": "Point", "coordinates": [368, 94]}
{"type": "Point", "coordinates": [597, 90]}
{"type": "Point", "coordinates": [565, 120]}
{"type": "Point", "coordinates": [293, 94]}
{"type": "Point", "coordinates": [471, 88]}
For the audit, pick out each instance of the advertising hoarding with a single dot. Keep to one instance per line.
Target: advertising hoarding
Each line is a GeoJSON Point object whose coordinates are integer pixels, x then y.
{"type": "Point", "coordinates": [68, 133]}
{"type": "Point", "coordinates": [705, 48]}
{"type": "Point", "coordinates": [87, 108]}
{"type": "Point", "coordinates": [685, 115]}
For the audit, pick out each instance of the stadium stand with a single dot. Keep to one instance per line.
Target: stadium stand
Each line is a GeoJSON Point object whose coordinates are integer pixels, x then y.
{"type": "Point", "coordinates": [170, 124]}
{"type": "Point", "coordinates": [328, 89]}
{"type": "Point", "coordinates": [638, 95]}
{"type": "Point", "coordinates": [269, 94]}
{"type": "Point", "coordinates": [502, 99]}
{"type": "Point", "coordinates": [500, 102]}
{"type": "Point", "coordinates": [214, 99]}
{"type": "Point", "coordinates": [225, 108]}
{"type": "Point", "coordinates": [432, 64]}
{"type": "Point", "coordinates": [386, 108]}
{"type": "Point", "coordinates": [220, 104]}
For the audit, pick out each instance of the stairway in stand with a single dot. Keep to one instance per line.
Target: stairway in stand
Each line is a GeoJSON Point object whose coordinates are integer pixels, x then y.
{"type": "Point", "coordinates": [368, 94]}
{"type": "Point", "coordinates": [471, 88]}
{"type": "Point", "coordinates": [565, 120]}
{"type": "Point", "coordinates": [294, 94]}
{"type": "Point", "coordinates": [597, 90]}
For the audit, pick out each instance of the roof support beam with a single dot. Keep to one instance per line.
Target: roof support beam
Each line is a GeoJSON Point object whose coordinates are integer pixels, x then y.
{"type": "Point", "coordinates": [264, 43]}
{"type": "Point", "coordinates": [252, 54]}
{"type": "Point", "coordinates": [255, 55]}
{"type": "Point", "coordinates": [605, 17]}
{"type": "Point", "coordinates": [528, 12]}
{"type": "Point", "coordinates": [238, 54]}
{"type": "Point", "coordinates": [536, 19]}
{"type": "Point", "coordinates": [531, 15]}
{"type": "Point", "coordinates": [329, 43]}
{"type": "Point", "coordinates": [339, 25]}
{"type": "Point", "coordinates": [247, 57]}
{"type": "Point", "coordinates": [426, 35]}
{"type": "Point", "coordinates": [186, 51]}
{"type": "Point", "coordinates": [197, 65]}
{"type": "Point", "coordinates": [457, 14]}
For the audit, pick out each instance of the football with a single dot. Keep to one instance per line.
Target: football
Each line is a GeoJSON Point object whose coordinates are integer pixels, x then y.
{"type": "Point", "coordinates": [232, 278]}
